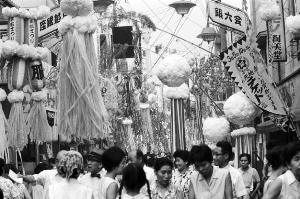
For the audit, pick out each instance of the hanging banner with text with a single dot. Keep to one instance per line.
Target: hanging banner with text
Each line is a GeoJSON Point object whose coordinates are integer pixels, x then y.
{"type": "Point", "coordinates": [247, 68]}
{"type": "Point", "coordinates": [278, 37]}
{"type": "Point", "coordinates": [227, 16]}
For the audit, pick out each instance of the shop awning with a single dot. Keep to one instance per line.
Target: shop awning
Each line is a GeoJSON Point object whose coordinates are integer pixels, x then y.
{"type": "Point", "coordinates": [267, 127]}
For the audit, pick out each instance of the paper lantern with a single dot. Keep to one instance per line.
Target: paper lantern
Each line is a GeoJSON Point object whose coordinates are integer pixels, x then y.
{"type": "Point", "coordinates": [16, 29]}
{"type": "Point", "coordinates": [36, 75]}
{"type": "Point", "coordinates": [16, 73]}
{"type": "Point", "coordinates": [31, 32]}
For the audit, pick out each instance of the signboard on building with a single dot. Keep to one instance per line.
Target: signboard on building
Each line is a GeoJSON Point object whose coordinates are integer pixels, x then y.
{"type": "Point", "coordinates": [248, 70]}
{"type": "Point", "coordinates": [227, 16]}
{"type": "Point", "coordinates": [278, 37]}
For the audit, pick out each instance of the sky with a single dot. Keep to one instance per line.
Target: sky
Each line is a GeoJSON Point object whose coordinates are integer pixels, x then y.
{"type": "Point", "coordinates": [165, 17]}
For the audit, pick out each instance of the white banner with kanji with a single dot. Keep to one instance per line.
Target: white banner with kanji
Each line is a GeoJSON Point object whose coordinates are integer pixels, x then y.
{"type": "Point", "coordinates": [247, 68]}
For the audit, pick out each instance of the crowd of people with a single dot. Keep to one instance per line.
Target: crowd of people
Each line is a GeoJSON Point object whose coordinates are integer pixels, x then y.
{"type": "Point", "coordinates": [201, 173]}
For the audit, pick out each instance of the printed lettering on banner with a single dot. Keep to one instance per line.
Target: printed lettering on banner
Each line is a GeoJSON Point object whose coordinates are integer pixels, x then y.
{"type": "Point", "coordinates": [228, 16]}
{"type": "Point", "coordinates": [248, 70]}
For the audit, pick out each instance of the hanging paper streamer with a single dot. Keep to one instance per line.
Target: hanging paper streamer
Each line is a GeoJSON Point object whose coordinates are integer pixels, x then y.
{"type": "Point", "coordinates": [17, 137]}
{"type": "Point", "coordinates": [147, 124]}
{"type": "Point", "coordinates": [4, 128]}
{"type": "Point", "coordinates": [37, 123]}
{"type": "Point", "coordinates": [131, 141]}
{"type": "Point", "coordinates": [81, 109]}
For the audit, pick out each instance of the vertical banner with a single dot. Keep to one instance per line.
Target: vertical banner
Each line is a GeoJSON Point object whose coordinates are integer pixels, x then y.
{"type": "Point", "coordinates": [16, 29]}
{"type": "Point", "coordinates": [31, 32]}
{"type": "Point", "coordinates": [276, 37]}
{"type": "Point", "coordinates": [177, 125]}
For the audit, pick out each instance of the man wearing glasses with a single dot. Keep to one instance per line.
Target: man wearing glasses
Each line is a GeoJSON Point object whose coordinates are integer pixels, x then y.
{"type": "Point", "coordinates": [222, 154]}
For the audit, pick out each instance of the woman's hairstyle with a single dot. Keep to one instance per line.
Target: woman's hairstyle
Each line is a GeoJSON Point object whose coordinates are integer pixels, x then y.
{"type": "Point", "coordinates": [160, 162]}
{"type": "Point", "coordinates": [2, 163]}
{"type": "Point", "coordinates": [151, 162]}
{"type": "Point", "coordinates": [112, 158]}
{"type": "Point", "coordinates": [201, 153]}
{"type": "Point", "coordinates": [1, 194]}
{"type": "Point", "coordinates": [71, 164]}
{"type": "Point", "coordinates": [8, 167]}
{"type": "Point", "coordinates": [290, 151]}
{"type": "Point", "coordinates": [182, 154]}
{"type": "Point", "coordinates": [275, 157]}
{"type": "Point", "coordinates": [248, 156]}
{"type": "Point", "coordinates": [134, 178]}
{"type": "Point", "coordinates": [41, 167]}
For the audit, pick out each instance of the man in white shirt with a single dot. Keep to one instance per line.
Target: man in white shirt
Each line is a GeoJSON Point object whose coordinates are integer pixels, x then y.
{"type": "Point", "coordinates": [137, 156]}
{"type": "Point", "coordinates": [92, 178]}
{"type": "Point", "coordinates": [47, 177]}
{"type": "Point", "coordinates": [222, 155]}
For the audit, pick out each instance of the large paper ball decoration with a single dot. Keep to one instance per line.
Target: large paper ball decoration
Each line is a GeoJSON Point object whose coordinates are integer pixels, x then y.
{"type": "Point", "coordinates": [240, 110]}
{"type": "Point", "coordinates": [216, 129]}
{"type": "Point", "coordinates": [174, 70]}
{"type": "Point", "coordinates": [76, 7]}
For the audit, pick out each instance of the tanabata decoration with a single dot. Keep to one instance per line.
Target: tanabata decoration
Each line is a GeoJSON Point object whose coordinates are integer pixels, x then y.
{"type": "Point", "coordinates": [243, 131]}
{"type": "Point", "coordinates": [4, 128]}
{"type": "Point", "coordinates": [216, 129]}
{"type": "Point", "coordinates": [177, 95]}
{"type": "Point", "coordinates": [174, 70]}
{"type": "Point", "coordinates": [81, 109]}
{"type": "Point", "coordinates": [268, 10]}
{"type": "Point", "coordinates": [240, 110]}
{"type": "Point", "coordinates": [293, 25]}
{"type": "Point", "coordinates": [131, 141]}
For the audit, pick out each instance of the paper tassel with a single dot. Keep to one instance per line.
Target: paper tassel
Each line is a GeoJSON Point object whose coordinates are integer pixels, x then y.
{"type": "Point", "coordinates": [16, 29]}
{"type": "Point", "coordinates": [4, 127]}
{"type": "Point", "coordinates": [81, 109]}
{"type": "Point", "coordinates": [17, 137]}
{"type": "Point", "coordinates": [146, 123]}
{"type": "Point", "coordinates": [37, 123]}
{"type": "Point", "coordinates": [30, 32]}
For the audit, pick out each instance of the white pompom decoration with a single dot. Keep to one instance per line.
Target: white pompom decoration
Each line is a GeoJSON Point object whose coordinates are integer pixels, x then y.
{"type": "Point", "coordinates": [127, 122]}
{"type": "Point", "coordinates": [2, 95]}
{"type": "Point", "coordinates": [268, 10]}
{"type": "Point", "coordinates": [240, 110]}
{"type": "Point", "coordinates": [216, 129]}
{"type": "Point", "coordinates": [174, 70]}
{"type": "Point", "coordinates": [292, 24]}
{"type": "Point", "coordinates": [15, 96]}
{"type": "Point", "coordinates": [76, 7]}
{"type": "Point", "coordinates": [243, 131]}
{"type": "Point", "coordinates": [181, 92]}
{"type": "Point", "coordinates": [152, 98]}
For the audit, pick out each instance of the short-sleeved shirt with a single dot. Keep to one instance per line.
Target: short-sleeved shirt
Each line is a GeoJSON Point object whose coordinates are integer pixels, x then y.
{"type": "Point", "coordinates": [105, 182]}
{"type": "Point", "coordinates": [182, 180]}
{"type": "Point", "coordinates": [10, 191]}
{"type": "Point", "coordinates": [216, 187]}
{"type": "Point", "coordinates": [250, 177]}
{"type": "Point", "coordinates": [238, 186]}
{"type": "Point", "coordinates": [92, 182]}
{"type": "Point", "coordinates": [290, 188]}
{"type": "Point", "coordinates": [172, 192]}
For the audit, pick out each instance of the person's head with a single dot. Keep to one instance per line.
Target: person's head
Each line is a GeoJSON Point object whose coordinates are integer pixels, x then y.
{"type": "Point", "coordinates": [59, 156]}
{"type": "Point", "coordinates": [245, 160]}
{"type": "Point", "coordinates": [292, 158]}
{"type": "Point", "coordinates": [8, 167]}
{"type": "Point", "coordinates": [275, 157]}
{"type": "Point", "coordinates": [222, 153]}
{"type": "Point", "coordinates": [2, 163]}
{"type": "Point", "coordinates": [41, 167]}
{"type": "Point", "coordinates": [113, 160]}
{"type": "Point", "coordinates": [135, 156]}
{"type": "Point", "coordinates": [52, 162]}
{"type": "Point", "coordinates": [163, 171]}
{"type": "Point", "coordinates": [134, 178]}
{"type": "Point", "coordinates": [201, 157]}
{"type": "Point", "coordinates": [271, 144]}
{"type": "Point", "coordinates": [181, 159]}
{"type": "Point", "coordinates": [71, 164]}
{"type": "Point", "coordinates": [151, 162]}
{"type": "Point", "coordinates": [1, 194]}
{"type": "Point", "coordinates": [94, 164]}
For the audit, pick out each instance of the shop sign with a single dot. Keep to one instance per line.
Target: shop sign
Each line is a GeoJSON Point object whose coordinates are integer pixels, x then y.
{"type": "Point", "coordinates": [247, 68]}
{"type": "Point", "coordinates": [278, 37]}
{"type": "Point", "coordinates": [50, 24]}
{"type": "Point", "coordinates": [227, 16]}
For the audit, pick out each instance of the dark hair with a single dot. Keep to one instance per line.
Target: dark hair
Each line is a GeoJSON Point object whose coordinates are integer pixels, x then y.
{"type": "Point", "coordinates": [134, 178]}
{"type": "Point", "coordinates": [51, 160]}
{"type": "Point", "coordinates": [226, 148]}
{"type": "Point", "coordinates": [151, 162]}
{"type": "Point", "coordinates": [112, 157]}
{"type": "Point", "coordinates": [2, 163]}
{"type": "Point", "coordinates": [160, 162]}
{"type": "Point", "coordinates": [275, 157]}
{"type": "Point", "coordinates": [8, 167]}
{"type": "Point", "coordinates": [182, 154]}
{"type": "Point", "coordinates": [271, 144]}
{"type": "Point", "coordinates": [290, 151]}
{"type": "Point", "coordinates": [41, 167]}
{"type": "Point", "coordinates": [139, 154]}
{"type": "Point", "coordinates": [201, 153]}
{"type": "Point", "coordinates": [1, 194]}
{"type": "Point", "coordinates": [248, 156]}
